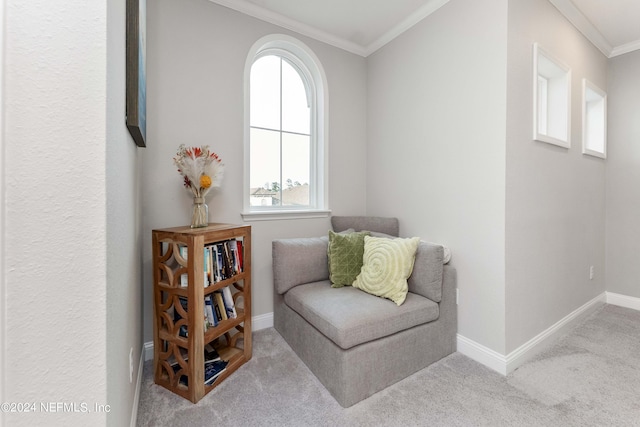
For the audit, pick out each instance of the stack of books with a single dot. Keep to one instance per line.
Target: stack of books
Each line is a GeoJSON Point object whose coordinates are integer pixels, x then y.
{"type": "Point", "coordinates": [213, 365]}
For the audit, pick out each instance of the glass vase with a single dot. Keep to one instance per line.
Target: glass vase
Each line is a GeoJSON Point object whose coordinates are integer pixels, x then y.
{"type": "Point", "coordinates": [200, 216]}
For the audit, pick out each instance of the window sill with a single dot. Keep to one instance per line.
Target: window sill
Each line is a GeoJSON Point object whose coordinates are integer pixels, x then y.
{"type": "Point", "coordinates": [285, 214]}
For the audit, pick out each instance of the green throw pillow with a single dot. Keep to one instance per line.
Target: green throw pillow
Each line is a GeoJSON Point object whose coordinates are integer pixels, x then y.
{"type": "Point", "coordinates": [345, 257]}
{"type": "Point", "coordinates": [387, 264]}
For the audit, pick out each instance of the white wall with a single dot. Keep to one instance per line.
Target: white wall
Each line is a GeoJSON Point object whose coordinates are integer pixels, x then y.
{"type": "Point", "coordinates": [124, 269]}
{"type": "Point", "coordinates": [623, 176]}
{"type": "Point", "coordinates": [55, 137]}
{"type": "Point", "coordinates": [73, 296]}
{"type": "Point", "coordinates": [555, 197]}
{"type": "Point", "coordinates": [436, 153]}
{"type": "Point", "coordinates": [2, 214]}
{"type": "Point", "coordinates": [196, 56]}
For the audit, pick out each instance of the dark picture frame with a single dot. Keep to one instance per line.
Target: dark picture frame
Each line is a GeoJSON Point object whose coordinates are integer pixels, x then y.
{"type": "Point", "coordinates": [136, 74]}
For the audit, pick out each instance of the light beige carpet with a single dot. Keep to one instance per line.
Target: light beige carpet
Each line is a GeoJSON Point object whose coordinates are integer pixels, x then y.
{"type": "Point", "coordinates": [591, 377]}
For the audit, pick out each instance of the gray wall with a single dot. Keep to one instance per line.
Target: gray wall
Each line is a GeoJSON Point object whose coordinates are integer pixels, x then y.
{"type": "Point", "coordinates": [623, 176]}
{"type": "Point", "coordinates": [453, 123]}
{"type": "Point", "coordinates": [555, 197]}
{"type": "Point", "coordinates": [196, 57]}
{"type": "Point", "coordinates": [436, 152]}
{"type": "Point", "coordinates": [124, 243]}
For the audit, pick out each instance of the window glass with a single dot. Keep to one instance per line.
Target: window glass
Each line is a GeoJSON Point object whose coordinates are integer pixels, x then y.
{"type": "Point", "coordinates": [280, 135]}
{"type": "Point", "coordinates": [295, 107]}
{"type": "Point", "coordinates": [295, 171]}
{"type": "Point", "coordinates": [265, 93]}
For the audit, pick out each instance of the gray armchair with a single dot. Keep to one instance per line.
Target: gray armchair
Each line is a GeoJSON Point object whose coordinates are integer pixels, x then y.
{"type": "Point", "coordinates": [357, 344]}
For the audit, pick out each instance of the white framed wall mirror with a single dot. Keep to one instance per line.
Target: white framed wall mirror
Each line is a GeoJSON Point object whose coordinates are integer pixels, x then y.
{"type": "Point", "coordinates": [551, 99]}
{"type": "Point", "coordinates": [594, 120]}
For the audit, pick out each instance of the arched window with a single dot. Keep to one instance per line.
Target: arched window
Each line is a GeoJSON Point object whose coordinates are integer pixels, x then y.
{"type": "Point", "coordinates": [285, 134]}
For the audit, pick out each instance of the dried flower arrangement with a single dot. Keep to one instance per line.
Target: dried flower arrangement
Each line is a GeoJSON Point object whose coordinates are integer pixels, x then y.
{"type": "Point", "coordinates": [201, 170]}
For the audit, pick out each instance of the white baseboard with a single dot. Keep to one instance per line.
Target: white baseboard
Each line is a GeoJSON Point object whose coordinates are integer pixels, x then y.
{"type": "Point", "coordinates": [136, 396]}
{"type": "Point", "coordinates": [148, 350]}
{"type": "Point", "coordinates": [623, 300]}
{"type": "Point", "coordinates": [506, 364]}
{"type": "Point", "coordinates": [481, 354]}
{"type": "Point", "coordinates": [262, 321]}
{"type": "Point", "coordinates": [541, 341]}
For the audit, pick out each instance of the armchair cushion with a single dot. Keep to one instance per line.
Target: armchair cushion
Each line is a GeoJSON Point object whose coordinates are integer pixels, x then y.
{"type": "Point", "coordinates": [349, 317]}
{"type": "Point", "coordinates": [297, 261]}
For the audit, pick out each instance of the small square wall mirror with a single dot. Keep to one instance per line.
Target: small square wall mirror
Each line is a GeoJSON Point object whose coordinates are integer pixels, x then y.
{"type": "Point", "coordinates": [552, 99]}
{"type": "Point", "coordinates": [594, 120]}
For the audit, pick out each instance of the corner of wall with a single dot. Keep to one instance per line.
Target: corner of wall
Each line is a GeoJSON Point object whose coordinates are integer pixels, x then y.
{"type": "Point", "coordinates": [505, 364]}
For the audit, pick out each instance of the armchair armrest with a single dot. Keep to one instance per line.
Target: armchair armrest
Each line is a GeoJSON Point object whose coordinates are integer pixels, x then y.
{"type": "Point", "coordinates": [298, 261]}
{"type": "Point", "coordinates": [426, 277]}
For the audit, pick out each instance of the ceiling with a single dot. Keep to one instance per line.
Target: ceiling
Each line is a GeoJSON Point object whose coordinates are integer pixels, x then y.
{"type": "Point", "coordinates": [364, 26]}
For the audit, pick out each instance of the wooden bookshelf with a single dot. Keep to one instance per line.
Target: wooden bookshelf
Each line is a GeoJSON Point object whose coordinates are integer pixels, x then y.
{"type": "Point", "coordinates": [231, 337]}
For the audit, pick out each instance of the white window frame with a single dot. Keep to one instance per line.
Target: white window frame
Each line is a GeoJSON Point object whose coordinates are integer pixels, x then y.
{"type": "Point", "coordinates": [551, 99]}
{"type": "Point", "coordinates": [314, 78]}
{"type": "Point", "coordinates": [594, 119]}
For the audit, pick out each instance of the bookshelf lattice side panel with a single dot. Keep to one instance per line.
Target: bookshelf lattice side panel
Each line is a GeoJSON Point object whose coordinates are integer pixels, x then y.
{"type": "Point", "coordinates": [172, 265]}
{"type": "Point", "coordinates": [172, 315]}
{"type": "Point", "coordinates": [173, 365]}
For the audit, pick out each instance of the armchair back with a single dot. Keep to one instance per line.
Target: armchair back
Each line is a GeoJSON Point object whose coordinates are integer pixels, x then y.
{"type": "Point", "coordinates": [304, 260]}
{"type": "Point", "coordinates": [297, 261]}
{"type": "Point", "coordinates": [370, 223]}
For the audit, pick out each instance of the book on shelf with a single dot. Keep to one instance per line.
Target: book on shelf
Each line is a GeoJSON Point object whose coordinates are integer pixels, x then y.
{"type": "Point", "coordinates": [173, 361]}
{"type": "Point", "coordinates": [240, 255]}
{"type": "Point", "coordinates": [210, 257]}
{"type": "Point", "coordinates": [205, 320]}
{"type": "Point", "coordinates": [206, 267]}
{"type": "Point", "coordinates": [220, 260]}
{"type": "Point", "coordinates": [184, 277]}
{"type": "Point", "coordinates": [217, 257]}
{"type": "Point", "coordinates": [222, 266]}
{"type": "Point", "coordinates": [213, 370]}
{"type": "Point", "coordinates": [229, 305]}
{"type": "Point", "coordinates": [228, 260]}
{"type": "Point", "coordinates": [216, 311]}
{"type": "Point", "coordinates": [183, 332]}
{"type": "Point", "coordinates": [233, 249]}
{"type": "Point", "coordinates": [211, 317]}
{"type": "Point", "coordinates": [220, 304]}
{"type": "Point", "coordinates": [210, 353]}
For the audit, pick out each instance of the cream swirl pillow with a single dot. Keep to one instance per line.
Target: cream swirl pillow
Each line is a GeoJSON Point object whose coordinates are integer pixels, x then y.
{"type": "Point", "coordinates": [386, 266]}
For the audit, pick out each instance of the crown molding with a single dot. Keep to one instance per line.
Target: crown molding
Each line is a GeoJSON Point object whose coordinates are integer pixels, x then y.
{"type": "Point", "coordinates": [577, 18]}
{"type": "Point", "coordinates": [582, 23]}
{"type": "Point", "coordinates": [566, 8]}
{"type": "Point", "coordinates": [625, 48]}
{"type": "Point", "coordinates": [407, 23]}
{"type": "Point", "coordinates": [258, 12]}
{"type": "Point", "coordinates": [271, 17]}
